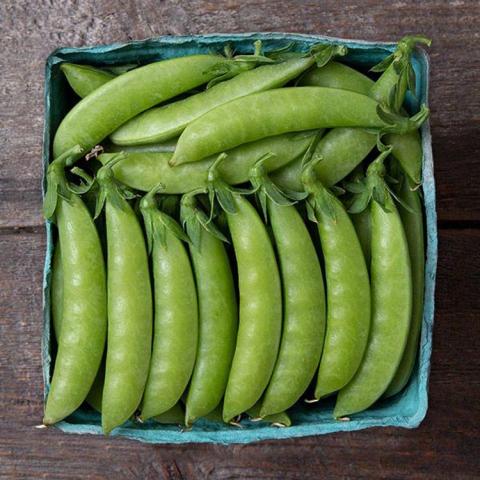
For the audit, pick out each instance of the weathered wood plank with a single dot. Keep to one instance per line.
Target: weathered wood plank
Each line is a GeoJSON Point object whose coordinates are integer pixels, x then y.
{"type": "Point", "coordinates": [446, 445]}
{"type": "Point", "coordinates": [454, 101]}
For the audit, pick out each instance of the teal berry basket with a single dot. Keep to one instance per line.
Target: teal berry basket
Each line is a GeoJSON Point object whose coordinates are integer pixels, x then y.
{"type": "Point", "coordinates": [406, 409]}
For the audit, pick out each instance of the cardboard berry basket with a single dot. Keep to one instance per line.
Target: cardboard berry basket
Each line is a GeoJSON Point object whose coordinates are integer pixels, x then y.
{"type": "Point", "coordinates": [406, 409]}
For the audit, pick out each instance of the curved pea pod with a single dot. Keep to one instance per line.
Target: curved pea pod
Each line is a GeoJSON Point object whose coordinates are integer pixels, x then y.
{"type": "Point", "coordinates": [304, 311]}
{"type": "Point", "coordinates": [407, 149]}
{"type": "Point", "coordinates": [174, 416]}
{"type": "Point", "coordinates": [303, 299]}
{"type": "Point", "coordinates": [56, 291]}
{"type": "Point", "coordinates": [363, 226]}
{"type": "Point", "coordinates": [83, 319]}
{"type": "Point", "coordinates": [341, 149]}
{"type": "Point", "coordinates": [102, 111]}
{"type": "Point", "coordinates": [162, 123]}
{"type": "Point", "coordinates": [218, 311]}
{"type": "Point", "coordinates": [280, 419]}
{"type": "Point", "coordinates": [84, 79]}
{"type": "Point", "coordinates": [94, 397]}
{"type": "Point", "coordinates": [277, 111]}
{"type": "Point", "coordinates": [391, 283]}
{"type": "Point", "coordinates": [176, 311]}
{"type": "Point", "coordinates": [337, 75]}
{"type": "Point", "coordinates": [414, 230]}
{"type": "Point", "coordinates": [129, 305]}
{"type": "Point", "coordinates": [347, 285]}
{"type": "Point", "coordinates": [260, 309]}
{"type": "Point", "coordinates": [144, 170]}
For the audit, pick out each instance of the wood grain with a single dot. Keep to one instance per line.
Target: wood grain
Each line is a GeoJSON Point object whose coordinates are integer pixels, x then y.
{"type": "Point", "coordinates": [445, 445]}
{"type": "Point", "coordinates": [455, 104]}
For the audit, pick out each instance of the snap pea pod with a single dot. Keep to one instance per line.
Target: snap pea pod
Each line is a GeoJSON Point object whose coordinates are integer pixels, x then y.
{"type": "Point", "coordinates": [83, 319]}
{"type": "Point", "coordinates": [144, 170]}
{"type": "Point", "coordinates": [414, 230]}
{"type": "Point", "coordinates": [174, 416]}
{"type": "Point", "coordinates": [280, 419]}
{"type": "Point", "coordinates": [260, 309]}
{"type": "Point", "coordinates": [303, 300]}
{"type": "Point", "coordinates": [343, 149]}
{"type": "Point", "coordinates": [361, 220]}
{"type": "Point", "coordinates": [162, 123]}
{"type": "Point", "coordinates": [129, 305]}
{"type": "Point", "coordinates": [347, 285]}
{"type": "Point", "coordinates": [102, 111]}
{"type": "Point", "coordinates": [337, 75]}
{"type": "Point", "coordinates": [304, 311]}
{"type": "Point", "coordinates": [56, 292]}
{"type": "Point", "coordinates": [168, 146]}
{"type": "Point", "coordinates": [218, 312]}
{"type": "Point", "coordinates": [94, 397]}
{"type": "Point", "coordinates": [84, 79]}
{"type": "Point", "coordinates": [176, 312]}
{"type": "Point", "coordinates": [391, 282]}
{"type": "Point", "coordinates": [362, 223]}
{"type": "Point", "coordinates": [277, 111]}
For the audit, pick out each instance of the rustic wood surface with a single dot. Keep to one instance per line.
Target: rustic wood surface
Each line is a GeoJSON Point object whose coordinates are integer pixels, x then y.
{"type": "Point", "coordinates": [445, 446]}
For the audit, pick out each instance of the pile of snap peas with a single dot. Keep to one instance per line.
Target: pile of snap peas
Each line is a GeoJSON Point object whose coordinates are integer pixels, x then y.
{"type": "Point", "coordinates": [236, 234]}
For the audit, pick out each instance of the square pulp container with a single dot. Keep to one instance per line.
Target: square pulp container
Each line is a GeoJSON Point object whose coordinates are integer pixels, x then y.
{"type": "Point", "coordinates": [406, 409]}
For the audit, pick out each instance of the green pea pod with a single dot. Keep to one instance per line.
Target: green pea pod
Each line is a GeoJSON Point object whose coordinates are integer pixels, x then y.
{"type": "Point", "coordinates": [280, 419]}
{"type": "Point", "coordinates": [218, 312]}
{"type": "Point", "coordinates": [102, 111]}
{"type": "Point", "coordinates": [56, 291]}
{"type": "Point", "coordinates": [129, 305]}
{"type": "Point", "coordinates": [163, 147]}
{"type": "Point", "coordinates": [84, 79]}
{"type": "Point", "coordinates": [347, 284]}
{"type": "Point", "coordinates": [407, 149]}
{"type": "Point", "coordinates": [176, 312]}
{"type": "Point", "coordinates": [391, 281]}
{"type": "Point", "coordinates": [343, 150]}
{"type": "Point", "coordinates": [83, 319]}
{"type": "Point", "coordinates": [174, 416]}
{"type": "Point", "coordinates": [303, 299]}
{"type": "Point", "coordinates": [414, 230]}
{"type": "Point", "coordinates": [94, 397]}
{"type": "Point", "coordinates": [337, 75]}
{"type": "Point", "coordinates": [277, 111]}
{"type": "Point", "coordinates": [260, 313]}
{"type": "Point", "coordinates": [143, 170]}
{"type": "Point", "coordinates": [162, 123]}
{"type": "Point", "coordinates": [362, 223]}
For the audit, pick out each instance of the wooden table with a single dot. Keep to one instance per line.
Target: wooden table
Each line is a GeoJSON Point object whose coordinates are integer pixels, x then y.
{"type": "Point", "coordinates": [447, 443]}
